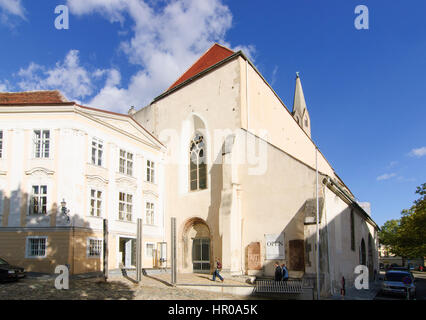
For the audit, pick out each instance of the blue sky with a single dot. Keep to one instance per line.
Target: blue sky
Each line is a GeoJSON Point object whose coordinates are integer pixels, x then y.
{"type": "Point", "coordinates": [365, 89]}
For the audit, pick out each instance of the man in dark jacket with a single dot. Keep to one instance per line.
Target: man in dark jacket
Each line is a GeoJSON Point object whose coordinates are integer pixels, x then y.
{"type": "Point", "coordinates": [278, 272]}
{"type": "Point", "coordinates": [285, 272]}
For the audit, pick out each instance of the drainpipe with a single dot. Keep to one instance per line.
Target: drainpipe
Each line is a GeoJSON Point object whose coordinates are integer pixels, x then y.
{"type": "Point", "coordinates": [317, 225]}
{"type": "Point", "coordinates": [328, 244]}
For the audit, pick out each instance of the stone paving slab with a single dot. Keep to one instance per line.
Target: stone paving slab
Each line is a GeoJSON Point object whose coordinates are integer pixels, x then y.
{"type": "Point", "coordinates": [201, 279]}
{"type": "Point", "coordinates": [117, 288]}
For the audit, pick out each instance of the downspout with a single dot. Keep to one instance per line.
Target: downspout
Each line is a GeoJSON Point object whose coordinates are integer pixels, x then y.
{"type": "Point", "coordinates": [328, 244]}
{"type": "Point", "coordinates": [317, 229]}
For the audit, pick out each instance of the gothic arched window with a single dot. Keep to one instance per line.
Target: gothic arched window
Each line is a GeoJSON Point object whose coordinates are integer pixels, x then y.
{"type": "Point", "coordinates": [197, 166]}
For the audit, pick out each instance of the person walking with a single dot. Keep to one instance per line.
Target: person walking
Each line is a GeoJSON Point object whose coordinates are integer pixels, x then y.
{"type": "Point", "coordinates": [285, 272]}
{"type": "Point", "coordinates": [278, 272]}
{"type": "Point", "coordinates": [216, 272]}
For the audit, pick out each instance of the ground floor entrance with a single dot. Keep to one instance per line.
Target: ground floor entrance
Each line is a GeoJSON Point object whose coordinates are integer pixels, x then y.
{"type": "Point", "coordinates": [127, 252]}
{"type": "Point", "coordinates": [201, 255]}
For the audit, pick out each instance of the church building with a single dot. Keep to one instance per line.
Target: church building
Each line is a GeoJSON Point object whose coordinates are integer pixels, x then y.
{"type": "Point", "coordinates": [218, 150]}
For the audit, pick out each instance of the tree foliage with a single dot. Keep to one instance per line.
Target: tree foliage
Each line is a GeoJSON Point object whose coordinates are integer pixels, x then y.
{"type": "Point", "coordinates": [406, 237]}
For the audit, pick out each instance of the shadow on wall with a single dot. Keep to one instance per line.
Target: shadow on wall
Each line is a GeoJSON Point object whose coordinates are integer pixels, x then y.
{"type": "Point", "coordinates": [300, 248]}
{"type": "Point", "coordinates": [22, 235]}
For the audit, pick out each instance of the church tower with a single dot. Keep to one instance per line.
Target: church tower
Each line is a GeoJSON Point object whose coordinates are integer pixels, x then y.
{"type": "Point", "coordinates": [300, 112]}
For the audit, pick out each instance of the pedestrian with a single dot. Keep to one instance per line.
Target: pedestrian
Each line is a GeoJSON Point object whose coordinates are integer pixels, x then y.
{"type": "Point", "coordinates": [343, 289]}
{"type": "Point", "coordinates": [285, 272]}
{"type": "Point", "coordinates": [216, 272]}
{"type": "Point", "coordinates": [278, 272]}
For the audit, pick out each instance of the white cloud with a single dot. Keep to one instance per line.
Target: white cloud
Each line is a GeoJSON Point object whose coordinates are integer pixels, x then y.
{"type": "Point", "coordinates": [68, 76]}
{"type": "Point", "coordinates": [11, 8]}
{"type": "Point", "coordinates": [164, 42]}
{"type": "Point", "coordinates": [420, 152]}
{"type": "Point", "coordinates": [386, 176]}
{"type": "Point", "coordinates": [4, 86]}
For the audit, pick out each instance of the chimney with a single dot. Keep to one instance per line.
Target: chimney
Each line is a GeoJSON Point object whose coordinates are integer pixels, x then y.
{"type": "Point", "coordinates": [131, 111]}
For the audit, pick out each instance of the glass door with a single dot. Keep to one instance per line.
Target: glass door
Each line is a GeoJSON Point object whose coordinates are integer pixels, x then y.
{"type": "Point", "coordinates": [201, 255]}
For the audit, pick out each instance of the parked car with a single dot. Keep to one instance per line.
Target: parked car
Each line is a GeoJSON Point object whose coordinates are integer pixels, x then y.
{"type": "Point", "coordinates": [399, 282]}
{"type": "Point", "coordinates": [9, 272]}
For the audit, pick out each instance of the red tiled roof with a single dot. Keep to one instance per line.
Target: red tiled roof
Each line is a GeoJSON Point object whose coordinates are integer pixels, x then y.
{"type": "Point", "coordinates": [212, 56]}
{"type": "Point", "coordinates": [32, 97]}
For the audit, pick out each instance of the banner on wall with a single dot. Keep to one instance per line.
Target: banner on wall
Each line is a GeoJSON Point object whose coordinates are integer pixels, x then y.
{"type": "Point", "coordinates": [274, 244]}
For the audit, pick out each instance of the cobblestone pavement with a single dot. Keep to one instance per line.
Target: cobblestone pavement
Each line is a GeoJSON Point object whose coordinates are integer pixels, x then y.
{"type": "Point", "coordinates": [117, 288]}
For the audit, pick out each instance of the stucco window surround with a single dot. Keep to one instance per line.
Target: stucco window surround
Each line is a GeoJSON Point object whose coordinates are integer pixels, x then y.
{"type": "Point", "coordinates": [96, 152]}
{"type": "Point", "coordinates": [42, 143]}
{"type": "Point", "coordinates": [150, 212]}
{"type": "Point", "coordinates": [40, 177]}
{"type": "Point", "coordinates": [96, 203]}
{"type": "Point", "coordinates": [94, 248]}
{"type": "Point", "coordinates": [126, 160]}
{"type": "Point", "coordinates": [150, 170]}
{"type": "Point", "coordinates": [36, 247]}
{"type": "Point", "coordinates": [126, 206]}
{"type": "Point", "coordinates": [98, 184]}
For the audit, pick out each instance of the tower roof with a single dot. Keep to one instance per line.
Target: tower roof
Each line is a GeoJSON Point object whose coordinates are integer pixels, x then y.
{"type": "Point", "coordinates": [215, 54]}
{"type": "Point", "coordinates": [299, 103]}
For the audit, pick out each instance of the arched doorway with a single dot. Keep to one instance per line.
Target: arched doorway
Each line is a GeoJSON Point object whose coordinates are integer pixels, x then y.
{"type": "Point", "coordinates": [362, 254]}
{"type": "Point", "coordinates": [196, 255]}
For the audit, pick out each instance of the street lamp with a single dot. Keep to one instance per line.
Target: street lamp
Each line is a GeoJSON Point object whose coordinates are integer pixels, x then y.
{"type": "Point", "coordinates": [64, 209]}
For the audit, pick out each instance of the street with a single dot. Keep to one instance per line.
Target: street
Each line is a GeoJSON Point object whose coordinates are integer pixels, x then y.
{"type": "Point", "coordinates": [420, 289]}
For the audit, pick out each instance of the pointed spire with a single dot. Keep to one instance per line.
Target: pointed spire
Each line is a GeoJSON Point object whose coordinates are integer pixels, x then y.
{"type": "Point", "coordinates": [299, 103]}
{"type": "Point", "coordinates": [300, 111]}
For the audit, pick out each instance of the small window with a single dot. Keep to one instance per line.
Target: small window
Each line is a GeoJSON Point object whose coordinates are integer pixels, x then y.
{"type": "Point", "coordinates": [126, 162]}
{"type": "Point", "coordinates": [36, 247]}
{"type": "Point", "coordinates": [149, 213]}
{"type": "Point", "coordinates": [41, 143]}
{"type": "Point", "coordinates": [97, 151]}
{"type": "Point", "coordinates": [306, 122]}
{"type": "Point", "coordinates": [38, 203]}
{"type": "Point", "coordinates": [125, 206]}
{"type": "Point", "coordinates": [150, 250]}
{"type": "Point", "coordinates": [150, 171]}
{"type": "Point", "coordinates": [94, 248]}
{"type": "Point", "coordinates": [95, 203]}
{"type": "Point", "coordinates": [1, 144]}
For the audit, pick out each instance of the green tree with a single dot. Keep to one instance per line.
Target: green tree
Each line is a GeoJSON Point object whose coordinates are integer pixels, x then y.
{"type": "Point", "coordinates": [406, 237]}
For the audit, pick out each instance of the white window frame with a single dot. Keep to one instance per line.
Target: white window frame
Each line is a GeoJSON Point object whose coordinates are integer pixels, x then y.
{"type": "Point", "coordinates": [150, 211]}
{"type": "Point", "coordinates": [127, 167]}
{"type": "Point", "coordinates": [42, 142]}
{"type": "Point", "coordinates": [27, 247]}
{"type": "Point", "coordinates": [96, 199]}
{"type": "Point", "coordinates": [39, 195]}
{"type": "Point", "coordinates": [100, 248]}
{"type": "Point", "coordinates": [98, 146]}
{"type": "Point", "coordinates": [150, 171]}
{"type": "Point", "coordinates": [125, 203]}
{"type": "Point", "coordinates": [146, 249]}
